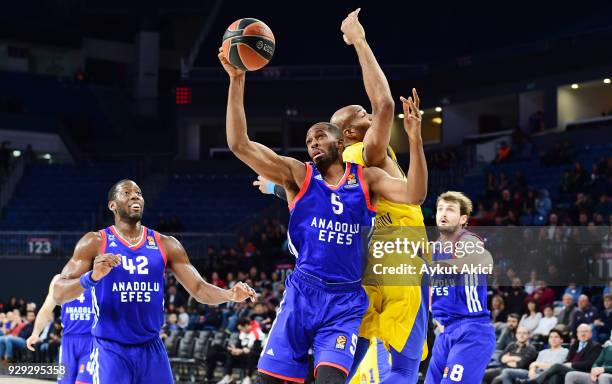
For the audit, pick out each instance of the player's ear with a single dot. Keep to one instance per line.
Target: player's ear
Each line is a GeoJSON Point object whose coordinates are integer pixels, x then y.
{"type": "Point", "coordinates": [112, 206]}
{"type": "Point", "coordinates": [347, 132]}
{"type": "Point", "coordinates": [463, 220]}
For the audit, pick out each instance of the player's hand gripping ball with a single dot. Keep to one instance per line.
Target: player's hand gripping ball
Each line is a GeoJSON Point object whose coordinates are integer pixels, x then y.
{"type": "Point", "coordinates": [248, 44]}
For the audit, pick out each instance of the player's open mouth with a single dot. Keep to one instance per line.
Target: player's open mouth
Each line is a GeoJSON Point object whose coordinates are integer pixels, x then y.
{"type": "Point", "coordinates": [135, 207]}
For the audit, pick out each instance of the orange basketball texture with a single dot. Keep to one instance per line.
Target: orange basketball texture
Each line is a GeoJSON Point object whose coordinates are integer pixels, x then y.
{"type": "Point", "coordinates": [248, 44]}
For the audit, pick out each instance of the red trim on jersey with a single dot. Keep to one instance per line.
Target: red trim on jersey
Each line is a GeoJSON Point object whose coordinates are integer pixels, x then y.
{"type": "Point", "coordinates": [365, 189]}
{"type": "Point", "coordinates": [294, 379]}
{"type": "Point", "coordinates": [347, 171]}
{"type": "Point", "coordinates": [102, 249]}
{"type": "Point", "coordinates": [80, 382]}
{"type": "Point", "coordinates": [161, 247]}
{"type": "Point", "coordinates": [304, 186]}
{"type": "Point", "coordinates": [124, 242]}
{"type": "Point", "coordinates": [346, 372]}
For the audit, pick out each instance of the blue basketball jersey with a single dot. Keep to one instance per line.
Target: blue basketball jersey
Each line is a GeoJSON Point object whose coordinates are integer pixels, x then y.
{"type": "Point", "coordinates": [77, 315]}
{"type": "Point", "coordinates": [329, 226]}
{"type": "Point", "coordinates": [458, 296]}
{"type": "Point", "coordinates": [128, 303]}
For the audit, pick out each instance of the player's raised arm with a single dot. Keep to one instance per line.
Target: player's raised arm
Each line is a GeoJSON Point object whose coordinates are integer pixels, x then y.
{"type": "Point", "coordinates": [44, 315]}
{"type": "Point", "coordinates": [190, 278]}
{"type": "Point", "coordinates": [377, 137]}
{"type": "Point", "coordinates": [417, 170]}
{"type": "Point", "coordinates": [278, 169]}
{"type": "Point", "coordinates": [75, 276]}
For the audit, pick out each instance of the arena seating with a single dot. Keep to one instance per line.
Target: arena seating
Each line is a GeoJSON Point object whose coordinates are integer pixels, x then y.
{"type": "Point", "coordinates": [62, 197]}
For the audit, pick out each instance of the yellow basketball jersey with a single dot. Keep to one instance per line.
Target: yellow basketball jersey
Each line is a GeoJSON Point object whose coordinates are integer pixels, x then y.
{"type": "Point", "coordinates": [389, 213]}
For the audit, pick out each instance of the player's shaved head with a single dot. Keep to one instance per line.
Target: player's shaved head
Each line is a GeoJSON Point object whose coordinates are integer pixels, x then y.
{"type": "Point", "coordinates": [353, 121]}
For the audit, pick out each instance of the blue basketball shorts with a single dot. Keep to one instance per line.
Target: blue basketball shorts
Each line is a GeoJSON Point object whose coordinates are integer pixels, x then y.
{"type": "Point", "coordinates": [318, 315]}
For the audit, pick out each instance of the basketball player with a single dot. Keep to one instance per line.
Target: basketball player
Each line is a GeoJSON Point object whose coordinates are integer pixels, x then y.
{"type": "Point", "coordinates": [459, 300]}
{"type": "Point", "coordinates": [77, 319]}
{"type": "Point", "coordinates": [331, 203]}
{"type": "Point", "coordinates": [396, 314]}
{"type": "Point", "coordinates": [124, 267]}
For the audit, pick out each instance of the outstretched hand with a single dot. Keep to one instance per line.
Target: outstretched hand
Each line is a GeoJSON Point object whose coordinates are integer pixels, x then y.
{"type": "Point", "coordinates": [352, 29]}
{"type": "Point", "coordinates": [229, 68]}
{"type": "Point", "coordinates": [262, 184]}
{"type": "Point", "coordinates": [241, 291]}
{"type": "Point", "coordinates": [412, 115]}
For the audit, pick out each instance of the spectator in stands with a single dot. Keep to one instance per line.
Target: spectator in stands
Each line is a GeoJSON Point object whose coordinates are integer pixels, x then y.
{"type": "Point", "coordinates": [506, 202]}
{"type": "Point", "coordinates": [567, 183]}
{"type": "Point", "coordinates": [605, 206]}
{"type": "Point", "coordinates": [581, 205]}
{"type": "Point", "coordinates": [183, 318]}
{"type": "Point", "coordinates": [515, 297]}
{"type": "Point", "coordinates": [532, 317]}
{"type": "Point", "coordinates": [8, 324]}
{"type": "Point", "coordinates": [520, 184]}
{"type": "Point", "coordinates": [503, 154]}
{"type": "Point", "coordinates": [573, 290]}
{"type": "Point", "coordinates": [603, 323]}
{"type": "Point", "coordinates": [600, 373]}
{"type": "Point", "coordinates": [499, 315]}
{"type": "Point", "coordinates": [212, 317]}
{"type": "Point", "coordinates": [246, 353]}
{"type": "Point", "coordinates": [532, 284]}
{"type": "Point", "coordinates": [567, 314]}
{"type": "Point", "coordinates": [543, 295]}
{"type": "Point", "coordinates": [586, 313]}
{"type": "Point", "coordinates": [216, 280]}
{"type": "Point", "coordinates": [543, 205]}
{"type": "Point", "coordinates": [507, 337]}
{"type": "Point", "coordinates": [169, 326]}
{"type": "Point", "coordinates": [230, 279]}
{"type": "Point", "coordinates": [17, 340]}
{"type": "Point", "coordinates": [555, 280]}
{"type": "Point", "coordinates": [175, 297]}
{"type": "Point", "coordinates": [491, 189]}
{"type": "Point", "coordinates": [518, 354]}
{"type": "Point", "coordinates": [504, 181]}
{"type": "Point", "coordinates": [546, 358]}
{"type": "Point", "coordinates": [580, 176]}
{"type": "Point", "coordinates": [546, 324]}
{"type": "Point", "coordinates": [582, 354]}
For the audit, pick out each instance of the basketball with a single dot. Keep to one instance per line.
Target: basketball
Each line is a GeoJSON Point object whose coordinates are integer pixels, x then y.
{"type": "Point", "coordinates": [248, 44]}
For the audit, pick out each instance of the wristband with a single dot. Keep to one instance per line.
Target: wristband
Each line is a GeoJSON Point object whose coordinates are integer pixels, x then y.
{"type": "Point", "coordinates": [270, 187]}
{"type": "Point", "coordinates": [86, 281]}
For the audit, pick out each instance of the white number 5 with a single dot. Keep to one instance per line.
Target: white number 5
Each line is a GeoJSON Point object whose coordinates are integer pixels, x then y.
{"type": "Point", "coordinates": [338, 207]}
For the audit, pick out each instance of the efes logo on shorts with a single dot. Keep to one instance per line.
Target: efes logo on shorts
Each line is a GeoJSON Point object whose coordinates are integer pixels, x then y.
{"type": "Point", "coordinates": [351, 181]}
{"type": "Point", "coordinates": [445, 373]}
{"type": "Point", "coordinates": [151, 243]}
{"type": "Point", "coordinates": [341, 342]}
{"type": "Point", "coordinates": [82, 368]}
